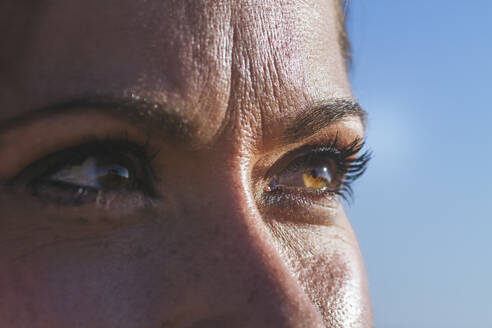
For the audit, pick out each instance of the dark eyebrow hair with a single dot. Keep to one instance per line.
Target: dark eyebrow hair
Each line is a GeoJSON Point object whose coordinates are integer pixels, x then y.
{"type": "Point", "coordinates": [142, 111]}
{"type": "Point", "coordinates": [321, 115]}
{"type": "Point", "coordinates": [147, 113]}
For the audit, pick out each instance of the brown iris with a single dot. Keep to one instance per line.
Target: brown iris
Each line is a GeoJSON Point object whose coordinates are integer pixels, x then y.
{"type": "Point", "coordinates": [317, 178]}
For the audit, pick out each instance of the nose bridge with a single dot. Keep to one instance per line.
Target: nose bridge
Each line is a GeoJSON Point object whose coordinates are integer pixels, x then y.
{"type": "Point", "coordinates": [263, 286]}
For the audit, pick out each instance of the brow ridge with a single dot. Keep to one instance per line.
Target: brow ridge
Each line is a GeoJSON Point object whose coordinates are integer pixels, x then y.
{"type": "Point", "coordinates": [144, 113]}
{"type": "Point", "coordinates": [320, 115]}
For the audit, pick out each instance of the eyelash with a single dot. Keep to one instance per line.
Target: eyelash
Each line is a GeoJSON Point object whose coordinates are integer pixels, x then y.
{"type": "Point", "coordinates": [348, 168]}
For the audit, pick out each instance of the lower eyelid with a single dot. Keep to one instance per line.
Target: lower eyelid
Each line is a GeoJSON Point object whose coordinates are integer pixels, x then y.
{"type": "Point", "coordinates": [122, 200]}
{"type": "Point", "coordinates": [288, 206]}
{"type": "Point", "coordinates": [29, 217]}
{"type": "Point", "coordinates": [63, 194]}
{"type": "Point", "coordinates": [299, 205]}
{"type": "Point", "coordinates": [84, 198]}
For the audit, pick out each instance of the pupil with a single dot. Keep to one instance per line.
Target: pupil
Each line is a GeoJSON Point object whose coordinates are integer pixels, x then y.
{"type": "Point", "coordinates": [113, 177]}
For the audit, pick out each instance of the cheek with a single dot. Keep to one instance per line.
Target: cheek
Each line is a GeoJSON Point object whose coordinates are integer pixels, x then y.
{"type": "Point", "coordinates": [335, 284]}
{"type": "Point", "coordinates": [327, 264]}
{"type": "Point", "coordinates": [150, 269]}
{"type": "Point", "coordinates": [128, 276]}
{"type": "Point", "coordinates": [164, 267]}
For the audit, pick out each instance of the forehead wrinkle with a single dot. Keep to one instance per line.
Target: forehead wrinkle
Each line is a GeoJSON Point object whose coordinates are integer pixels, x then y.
{"type": "Point", "coordinates": [284, 62]}
{"type": "Point", "coordinates": [177, 52]}
{"type": "Point", "coordinates": [204, 40]}
{"type": "Point", "coordinates": [267, 65]}
{"type": "Point", "coordinates": [204, 36]}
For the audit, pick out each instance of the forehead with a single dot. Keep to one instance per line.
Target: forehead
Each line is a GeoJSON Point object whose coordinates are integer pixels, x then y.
{"type": "Point", "coordinates": [204, 59]}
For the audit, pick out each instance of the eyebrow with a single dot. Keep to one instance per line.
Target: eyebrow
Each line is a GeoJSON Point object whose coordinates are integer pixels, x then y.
{"type": "Point", "coordinates": [148, 113]}
{"type": "Point", "coordinates": [321, 115]}
{"type": "Point", "coordinates": [142, 111]}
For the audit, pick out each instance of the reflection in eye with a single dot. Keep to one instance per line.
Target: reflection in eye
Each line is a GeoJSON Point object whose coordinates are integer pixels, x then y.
{"type": "Point", "coordinates": [95, 173]}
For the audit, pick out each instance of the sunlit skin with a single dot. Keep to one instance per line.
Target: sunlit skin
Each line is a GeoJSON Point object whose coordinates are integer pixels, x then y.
{"type": "Point", "coordinates": [209, 89]}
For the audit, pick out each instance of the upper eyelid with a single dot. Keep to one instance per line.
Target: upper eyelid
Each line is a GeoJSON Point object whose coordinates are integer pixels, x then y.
{"type": "Point", "coordinates": [83, 135]}
{"type": "Point", "coordinates": [313, 158]}
{"type": "Point", "coordinates": [27, 143]}
{"type": "Point", "coordinates": [334, 147]}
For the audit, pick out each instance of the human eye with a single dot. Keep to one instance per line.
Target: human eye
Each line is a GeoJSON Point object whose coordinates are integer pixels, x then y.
{"type": "Point", "coordinates": [92, 173]}
{"type": "Point", "coordinates": [316, 175]}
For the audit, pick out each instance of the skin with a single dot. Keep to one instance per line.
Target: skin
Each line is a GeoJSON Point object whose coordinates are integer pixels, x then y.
{"type": "Point", "coordinates": [210, 250]}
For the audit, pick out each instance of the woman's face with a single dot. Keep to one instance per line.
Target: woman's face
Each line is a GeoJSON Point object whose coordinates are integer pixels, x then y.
{"type": "Point", "coordinates": [177, 164]}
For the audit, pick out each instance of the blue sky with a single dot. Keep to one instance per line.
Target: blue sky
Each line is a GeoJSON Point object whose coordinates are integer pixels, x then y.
{"type": "Point", "coordinates": [422, 212]}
